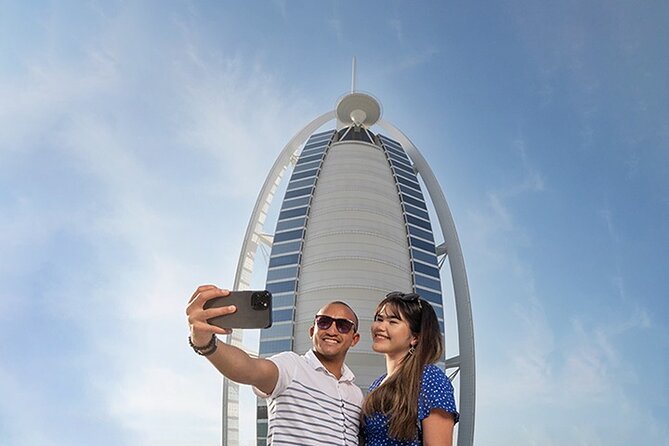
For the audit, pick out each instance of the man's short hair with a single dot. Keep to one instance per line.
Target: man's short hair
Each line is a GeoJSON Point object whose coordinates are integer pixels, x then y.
{"type": "Point", "coordinates": [355, 316]}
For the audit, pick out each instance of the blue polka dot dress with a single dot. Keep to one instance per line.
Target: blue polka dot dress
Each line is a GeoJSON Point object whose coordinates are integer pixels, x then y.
{"type": "Point", "coordinates": [436, 392]}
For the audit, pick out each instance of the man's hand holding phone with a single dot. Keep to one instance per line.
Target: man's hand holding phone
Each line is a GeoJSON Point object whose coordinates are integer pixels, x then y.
{"type": "Point", "coordinates": [212, 310]}
{"type": "Point", "coordinates": [200, 329]}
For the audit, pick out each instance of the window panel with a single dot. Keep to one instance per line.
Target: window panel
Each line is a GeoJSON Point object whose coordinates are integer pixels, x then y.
{"type": "Point", "coordinates": [290, 235]}
{"type": "Point", "coordinates": [283, 300]}
{"type": "Point", "coordinates": [426, 235]}
{"type": "Point", "coordinates": [424, 256]}
{"type": "Point", "coordinates": [390, 142]}
{"type": "Point", "coordinates": [321, 135]}
{"type": "Point", "coordinates": [400, 167]}
{"type": "Point", "coordinates": [408, 175]}
{"type": "Point", "coordinates": [291, 259]}
{"type": "Point", "coordinates": [399, 163]}
{"type": "Point", "coordinates": [282, 315]}
{"type": "Point", "coordinates": [427, 282]}
{"type": "Point", "coordinates": [425, 246]}
{"type": "Point", "coordinates": [307, 159]}
{"type": "Point", "coordinates": [415, 202]}
{"type": "Point", "coordinates": [278, 331]}
{"type": "Point", "coordinates": [412, 192]}
{"type": "Point", "coordinates": [408, 182]}
{"type": "Point", "coordinates": [290, 224]}
{"type": "Point", "coordinates": [430, 296]}
{"type": "Point", "coordinates": [283, 273]}
{"type": "Point", "coordinates": [295, 202]}
{"type": "Point", "coordinates": [426, 269]}
{"type": "Point", "coordinates": [305, 174]}
{"type": "Point", "coordinates": [307, 166]}
{"type": "Point", "coordinates": [393, 147]}
{"type": "Point", "coordinates": [395, 154]}
{"type": "Point", "coordinates": [301, 183]}
{"type": "Point", "coordinates": [291, 213]}
{"type": "Point", "coordinates": [269, 347]}
{"type": "Point", "coordinates": [298, 192]}
{"type": "Point", "coordinates": [314, 148]}
{"type": "Point", "coordinates": [281, 287]}
{"type": "Point", "coordinates": [415, 211]}
{"type": "Point", "coordinates": [286, 248]}
{"type": "Point", "coordinates": [318, 148]}
{"type": "Point", "coordinates": [419, 222]}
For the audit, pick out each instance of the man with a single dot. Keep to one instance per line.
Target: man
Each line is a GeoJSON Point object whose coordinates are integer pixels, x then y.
{"type": "Point", "coordinates": [312, 399]}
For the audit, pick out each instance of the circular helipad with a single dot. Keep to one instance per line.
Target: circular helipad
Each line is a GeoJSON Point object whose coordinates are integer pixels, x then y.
{"type": "Point", "coordinates": [358, 109]}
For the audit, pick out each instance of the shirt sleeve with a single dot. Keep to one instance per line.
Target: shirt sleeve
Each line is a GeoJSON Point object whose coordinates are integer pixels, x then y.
{"type": "Point", "coordinates": [286, 362]}
{"type": "Point", "coordinates": [436, 392]}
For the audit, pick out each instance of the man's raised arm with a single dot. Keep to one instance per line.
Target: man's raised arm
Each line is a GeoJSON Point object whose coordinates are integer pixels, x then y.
{"type": "Point", "coordinates": [231, 361]}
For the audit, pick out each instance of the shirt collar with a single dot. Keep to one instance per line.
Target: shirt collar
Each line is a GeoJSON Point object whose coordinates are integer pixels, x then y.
{"type": "Point", "coordinates": [313, 361]}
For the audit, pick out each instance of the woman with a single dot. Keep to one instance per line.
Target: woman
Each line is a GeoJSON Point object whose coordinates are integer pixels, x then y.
{"type": "Point", "coordinates": [412, 404]}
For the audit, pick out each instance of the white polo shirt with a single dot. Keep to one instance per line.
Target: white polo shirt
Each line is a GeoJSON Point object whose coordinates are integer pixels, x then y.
{"type": "Point", "coordinates": [309, 406]}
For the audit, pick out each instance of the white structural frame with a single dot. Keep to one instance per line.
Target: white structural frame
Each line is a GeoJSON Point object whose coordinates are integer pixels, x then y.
{"type": "Point", "coordinates": [464, 361]}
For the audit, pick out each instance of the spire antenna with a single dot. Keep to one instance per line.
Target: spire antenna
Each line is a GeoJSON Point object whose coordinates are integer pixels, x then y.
{"type": "Point", "coordinates": [353, 76]}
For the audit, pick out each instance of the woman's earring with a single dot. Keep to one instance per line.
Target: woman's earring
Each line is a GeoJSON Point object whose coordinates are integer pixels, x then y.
{"type": "Point", "coordinates": [412, 349]}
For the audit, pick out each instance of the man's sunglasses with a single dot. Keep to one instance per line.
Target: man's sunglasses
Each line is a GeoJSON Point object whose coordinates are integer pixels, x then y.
{"type": "Point", "coordinates": [406, 297]}
{"type": "Point", "coordinates": [344, 326]}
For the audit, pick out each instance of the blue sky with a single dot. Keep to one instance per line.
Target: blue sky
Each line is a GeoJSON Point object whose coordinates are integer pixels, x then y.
{"type": "Point", "coordinates": [135, 136]}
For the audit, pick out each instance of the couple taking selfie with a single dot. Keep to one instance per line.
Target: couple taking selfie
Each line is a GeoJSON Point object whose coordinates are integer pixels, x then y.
{"type": "Point", "coordinates": [312, 398]}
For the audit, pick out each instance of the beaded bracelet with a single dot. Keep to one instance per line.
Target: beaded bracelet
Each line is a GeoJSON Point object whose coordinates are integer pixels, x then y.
{"type": "Point", "coordinates": [205, 350]}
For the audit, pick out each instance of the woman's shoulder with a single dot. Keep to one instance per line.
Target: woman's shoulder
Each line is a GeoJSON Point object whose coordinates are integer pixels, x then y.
{"type": "Point", "coordinates": [377, 382]}
{"type": "Point", "coordinates": [436, 392]}
{"type": "Point", "coordinates": [432, 371]}
{"type": "Point", "coordinates": [434, 376]}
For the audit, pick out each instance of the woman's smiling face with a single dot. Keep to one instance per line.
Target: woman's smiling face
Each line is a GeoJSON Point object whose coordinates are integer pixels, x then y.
{"type": "Point", "coordinates": [390, 333]}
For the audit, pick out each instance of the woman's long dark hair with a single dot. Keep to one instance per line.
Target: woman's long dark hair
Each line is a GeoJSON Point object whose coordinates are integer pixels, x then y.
{"type": "Point", "coordinates": [397, 397]}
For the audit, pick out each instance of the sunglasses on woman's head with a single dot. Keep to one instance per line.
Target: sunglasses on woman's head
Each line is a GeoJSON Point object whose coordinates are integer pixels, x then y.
{"type": "Point", "coordinates": [344, 326]}
{"type": "Point", "coordinates": [406, 297]}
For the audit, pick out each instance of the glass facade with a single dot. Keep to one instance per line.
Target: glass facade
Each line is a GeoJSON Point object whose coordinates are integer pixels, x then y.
{"type": "Point", "coordinates": [424, 263]}
{"type": "Point", "coordinates": [284, 263]}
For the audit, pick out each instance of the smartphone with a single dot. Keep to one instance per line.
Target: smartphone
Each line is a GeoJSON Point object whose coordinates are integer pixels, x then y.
{"type": "Point", "coordinates": [254, 309]}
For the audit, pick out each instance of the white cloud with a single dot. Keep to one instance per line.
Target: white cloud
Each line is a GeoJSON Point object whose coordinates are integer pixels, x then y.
{"type": "Point", "coordinates": [577, 373]}
{"type": "Point", "coordinates": [338, 30]}
{"type": "Point", "coordinates": [496, 234]}
{"type": "Point", "coordinates": [538, 374]}
{"type": "Point", "coordinates": [282, 6]}
{"type": "Point", "coordinates": [20, 407]}
{"type": "Point", "coordinates": [166, 404]}
{"type": "Point", "coordinates": [533, 178]}
{"type": "Point", "coordinates": [396, 27]}
{"type": "Point", "coordinates": [154, 237]}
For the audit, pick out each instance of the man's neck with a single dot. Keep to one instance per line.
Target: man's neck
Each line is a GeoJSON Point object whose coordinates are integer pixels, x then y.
{"type": "Point", "coordinates": [333, 366]}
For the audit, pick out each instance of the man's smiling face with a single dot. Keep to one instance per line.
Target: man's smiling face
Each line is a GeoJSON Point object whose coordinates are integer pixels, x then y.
{"type": "Point", "coordinates": [331, 344]}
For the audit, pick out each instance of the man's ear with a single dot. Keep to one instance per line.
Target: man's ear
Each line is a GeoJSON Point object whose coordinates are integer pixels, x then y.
{"type": "Point", "coordinates": [356, 338]}
{"type": "Point", "coordinates": [311, 331]}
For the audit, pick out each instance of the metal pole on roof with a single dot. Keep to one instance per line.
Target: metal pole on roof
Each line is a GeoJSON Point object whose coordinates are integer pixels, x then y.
{"type": "Point", "coordinates": [353, 76]}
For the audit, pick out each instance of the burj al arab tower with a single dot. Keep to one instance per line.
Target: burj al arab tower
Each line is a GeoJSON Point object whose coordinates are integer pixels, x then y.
{"type": "Point", "coordinates": [362, 215]}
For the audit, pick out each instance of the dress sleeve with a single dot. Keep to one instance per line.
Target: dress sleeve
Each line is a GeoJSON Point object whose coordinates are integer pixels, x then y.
{"type": "Point", "coordinates": [376, 383]}
{"type": "Point", "coordinates": [436, 392]}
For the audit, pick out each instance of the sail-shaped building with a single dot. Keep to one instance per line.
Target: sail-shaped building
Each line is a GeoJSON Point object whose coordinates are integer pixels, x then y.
{"type": "Point", "coordinates": [355, 223]}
